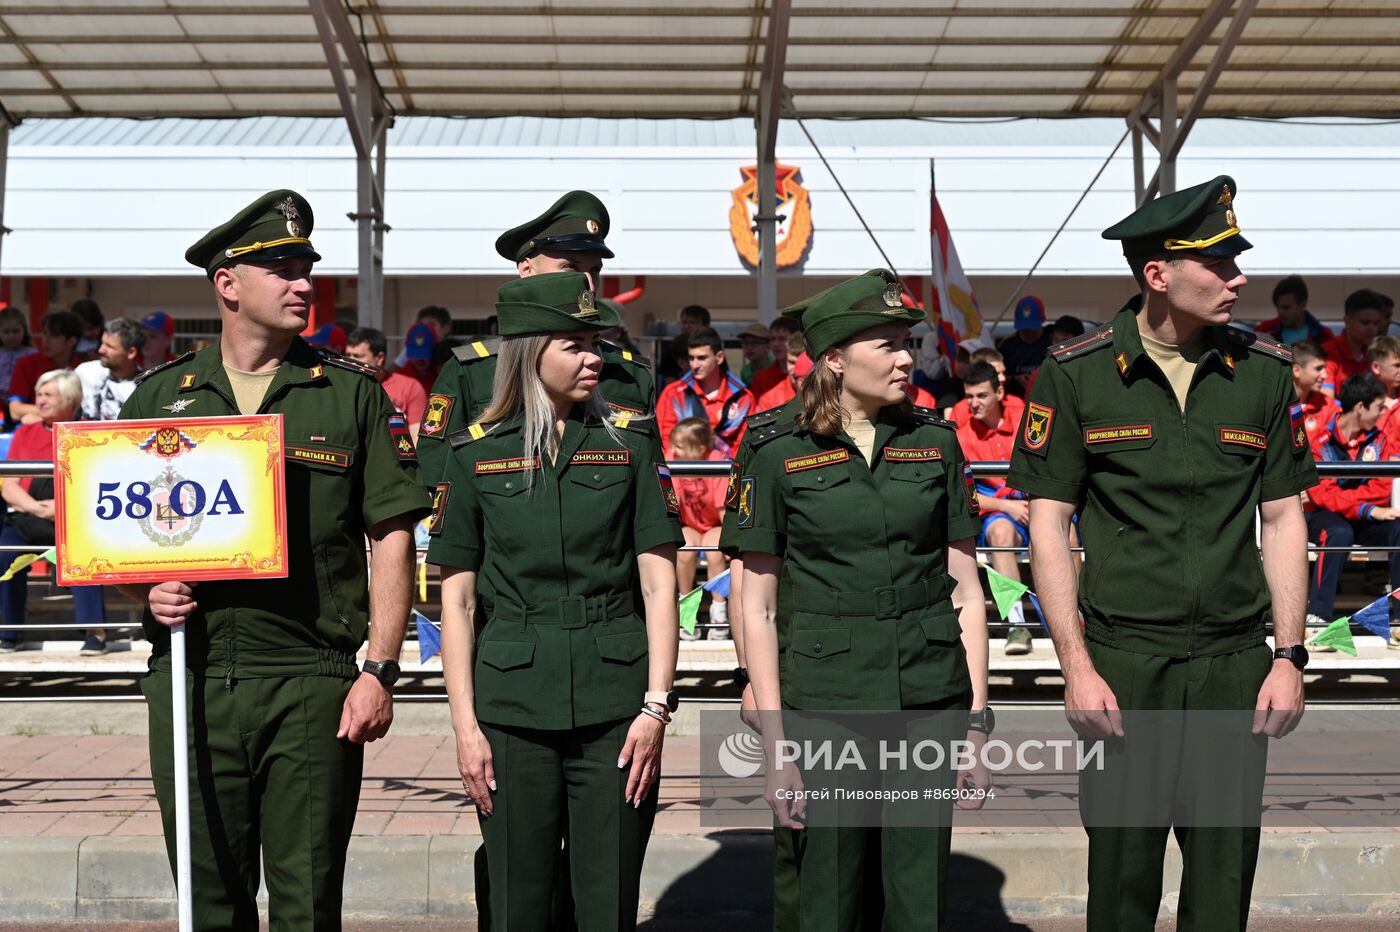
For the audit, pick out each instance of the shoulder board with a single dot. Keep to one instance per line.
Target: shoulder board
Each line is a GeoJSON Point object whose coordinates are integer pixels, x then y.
{"type": "Point", "coordinates": [477, 349]}
{"type": "Point", "coordinates": [460, 438]}
{"type": "Point", "coordinates": [636, 423]}
{"type": "Point", "coordinates": [1258, 343]}
{"type": "Point", "coordinates": [142, 376]}
{"type": "Point", "coordinates": [624, 354]}
{"type": "Point", "coordinates": [345, 362]}
{"type": "Point", "coordinates": [932, 416]}
{"type": "Point", "coordinates": [1086, 343]}
{"type": "Point", "coordinates": [768, 425]}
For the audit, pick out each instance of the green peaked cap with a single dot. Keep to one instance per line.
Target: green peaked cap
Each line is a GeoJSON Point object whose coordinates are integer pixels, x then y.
{"type": "Point", "coordinates": [577, 222]}
{"type": "Point", "coordinates": [795, 311]}
{"type": "Point", "coordinates": [551, 303]}
{"type": "Point", "coordinates": [275, 226]}
{"type": "Point", "coordinates": [839, 313]}
{"type": "Point", "coordinates": [1197, 221]}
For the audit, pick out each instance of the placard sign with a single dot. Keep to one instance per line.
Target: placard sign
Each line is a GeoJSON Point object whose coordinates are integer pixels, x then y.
{"type": "Point", "coordinates": [159, 500]}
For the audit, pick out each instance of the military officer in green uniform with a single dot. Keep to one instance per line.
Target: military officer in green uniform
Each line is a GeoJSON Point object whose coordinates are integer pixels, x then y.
{"type": "Point", "coordinates": [1169, 429]}
{"type": "Point", "coordinates": [278, 708]}
{"type": "Point", "coordinates": [861, 503]}
{"type": "Point", "coordinates": [552, 512]}
{"type": "Point", "coordinates": [569, 236]}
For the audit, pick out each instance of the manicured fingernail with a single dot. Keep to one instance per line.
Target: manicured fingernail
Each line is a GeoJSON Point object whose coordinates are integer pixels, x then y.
{"type": "Point", "coordinates": [492, 784]}
{"type": "Point", "coordinates": [621, 762]}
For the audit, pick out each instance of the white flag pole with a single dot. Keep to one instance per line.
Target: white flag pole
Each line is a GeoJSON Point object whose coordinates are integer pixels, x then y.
{"type": "Point", "coordinates": [180, 715]}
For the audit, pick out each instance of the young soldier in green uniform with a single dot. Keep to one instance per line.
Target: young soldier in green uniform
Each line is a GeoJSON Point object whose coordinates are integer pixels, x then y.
{"type": "Point", "coordinates": [569, 236]}
{"type": "Point", "coordinates": [1169, 429]}
{"type": "Point", "coordinates": [279, 711]}
{"type": "Point", "coordinates": [862, 488]}
{"type": "Point", "coordinates": [551, 512]}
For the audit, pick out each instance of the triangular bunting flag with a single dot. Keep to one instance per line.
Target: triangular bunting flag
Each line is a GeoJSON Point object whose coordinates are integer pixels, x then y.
{"type": "Point", "coordinates": [1338, 635]}
{"type": "Point", "coordinates": [429, 637]}
{"type": "Point", "coordinates": [1006, 591]}
{"type": "Point", "coordinates": [690, 607]}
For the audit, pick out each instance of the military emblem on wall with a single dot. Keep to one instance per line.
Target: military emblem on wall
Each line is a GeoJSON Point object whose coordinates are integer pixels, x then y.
{"type": "Point", "coordinates": [794, 217]}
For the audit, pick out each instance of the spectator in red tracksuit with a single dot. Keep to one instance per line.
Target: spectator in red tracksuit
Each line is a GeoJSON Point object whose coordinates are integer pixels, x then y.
{"type": "Point", "coordinates": [708, 390]}
{"type": "Point", "coordinates": [1294, 321]}
{"type": "Point", "coordinates": [1343, 512]}
{"type": "Point", "coordinates": [1309, 371]}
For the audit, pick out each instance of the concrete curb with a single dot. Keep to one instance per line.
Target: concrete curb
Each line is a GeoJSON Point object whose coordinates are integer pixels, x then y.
{"type": "Point", "coordinates": [724, 873]}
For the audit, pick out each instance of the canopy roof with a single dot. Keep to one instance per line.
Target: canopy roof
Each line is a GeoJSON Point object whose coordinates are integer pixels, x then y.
{"type": "Point", "coordinates": [648, 58]}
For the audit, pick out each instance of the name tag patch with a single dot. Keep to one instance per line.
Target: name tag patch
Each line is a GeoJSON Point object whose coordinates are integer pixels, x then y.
{"type": "Point", "coordinates": [320, 457]}
{"type": "Point", "coordinates": [1244, 438]}
{"type": "Point", "coordinates": [515, 464]}
{"type": "Point", "coordinates": [816, 460]}
{"type": "Point", "coordinates": [602, 457]}
{"type": "Point", "coordinates": [907, 455]}
{"type": "Point", "coordinates": [1112, 434]}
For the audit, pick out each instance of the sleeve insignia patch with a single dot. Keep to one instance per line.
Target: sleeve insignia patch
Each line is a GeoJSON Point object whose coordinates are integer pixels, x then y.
{"type": "Point", "coordinates": [435, 415]}
{"type": "Point", "coordinates": [971, 482]}
{"type": "Point", "coordinates": [731, 491]}
{"type": "Point", "coordinates": [440, 494]}
{"type": "Point", "coordinates": [1296, 426]}
{"type": "Point", "coordinates": [817, 460]}
{"type": "Point", "coordinates": [746, 494]}
{"type": "Point", "coordinates": [1039, 419]}
{"type": "Point", "coordinates": [403, 440]}
{"type": "Point", "coordinates": [668, 491]}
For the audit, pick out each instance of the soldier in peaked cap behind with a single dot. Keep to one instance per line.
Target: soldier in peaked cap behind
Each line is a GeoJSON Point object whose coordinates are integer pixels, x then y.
{"type": "Point", "coordinates": [1168, 429]}
{"type": "Point", "coordinates": [279, 709]}
{"type": "Point", "coordinates": [569, 236]}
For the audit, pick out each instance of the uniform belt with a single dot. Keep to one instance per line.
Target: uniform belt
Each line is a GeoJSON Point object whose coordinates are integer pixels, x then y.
{"type": "Point", "coordinates": [569, 611]}
{"type": "Point", "coordinates": [885, 602]}
{"type": "Point", "coordinates": [1176, 640]}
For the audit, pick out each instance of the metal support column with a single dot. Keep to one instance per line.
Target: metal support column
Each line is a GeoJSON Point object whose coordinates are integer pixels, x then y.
{"type": "Point", "coordinates": [4, 162]}
{"type": "Point", "coordinates": [368, 116]}
{"type": "Point", "coordinates": [1168, 128]}
{"type": "Point", "coordinates": [1139, 182]}
{"type": "Point", "coordinates": [770, 104]}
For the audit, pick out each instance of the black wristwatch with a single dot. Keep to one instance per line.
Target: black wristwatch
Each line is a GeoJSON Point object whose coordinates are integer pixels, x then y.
{"type": "Point", "coordinates": [741, 678]}
{"type": "Point", "coordinates": [983, 720]}
{"type": "Point", "coordinates": [669, 699]}
{"type": "Point", "coordinates": [1296, 655]}
{"type": "Point", "coordinates": [385, 671]}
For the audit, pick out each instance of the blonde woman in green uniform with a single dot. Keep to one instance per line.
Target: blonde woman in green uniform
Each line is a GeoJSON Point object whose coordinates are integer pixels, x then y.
{"type": "Point", "coordinates": [862, 503]}
{"type": "Point", "coordinates": [550, 509]}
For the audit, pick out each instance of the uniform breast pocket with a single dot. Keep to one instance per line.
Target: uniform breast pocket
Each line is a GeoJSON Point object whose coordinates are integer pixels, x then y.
{"type": "Point", "coordinates": [820, 479]}
{"type": "Point", "coordinates": [502, 487]}
{"type": "Point", "coordinates": [916, 472]}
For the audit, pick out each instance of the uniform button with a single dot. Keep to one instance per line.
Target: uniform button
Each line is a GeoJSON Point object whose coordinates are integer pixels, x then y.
{"type": "Point", "coordinates": [510, 485]}
{"type": "Point", "coordinates": [597, 478]}
{"type": "Point", "coordinates": [816, 648]}
{"type": "Point", "coordinates": [821, 478]}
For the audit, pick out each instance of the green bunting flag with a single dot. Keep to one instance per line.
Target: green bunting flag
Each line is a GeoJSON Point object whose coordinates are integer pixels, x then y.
{"type": "Point", "coordinates": [1006, 592]}
{"type": "Point", "coordinates": [22, 562]}
{"type": "Point", "coordinates": [1338, 635]}
{"type": "Point", "coordinates": [690, 607]}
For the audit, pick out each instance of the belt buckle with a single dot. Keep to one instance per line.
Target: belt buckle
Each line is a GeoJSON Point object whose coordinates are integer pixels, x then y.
{"type": "Point", "coordinates": [886, 602]}
{"type": "Point", "coordinates": [573, 613]}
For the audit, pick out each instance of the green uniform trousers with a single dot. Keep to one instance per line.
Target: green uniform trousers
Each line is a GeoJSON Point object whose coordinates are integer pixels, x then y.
{"type": "Point", "coordinates": [266, 772]}
{"type": "Point", "coordinates": [1125, 863]}
{"type": "Point", "coordinates": [861, 878]}
{"type": "Point", "coordinates": [549, 783]}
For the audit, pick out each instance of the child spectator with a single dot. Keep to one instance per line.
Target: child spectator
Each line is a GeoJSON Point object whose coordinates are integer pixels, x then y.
{"type": "Point", "coordinates": [90, 314]}
{"type": "Point", "coordinates": [1364, 318]}
{"type": "Point", "coordinates": [1309, 370]}
{"type": "Point", "coordinates": [702, 515]}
